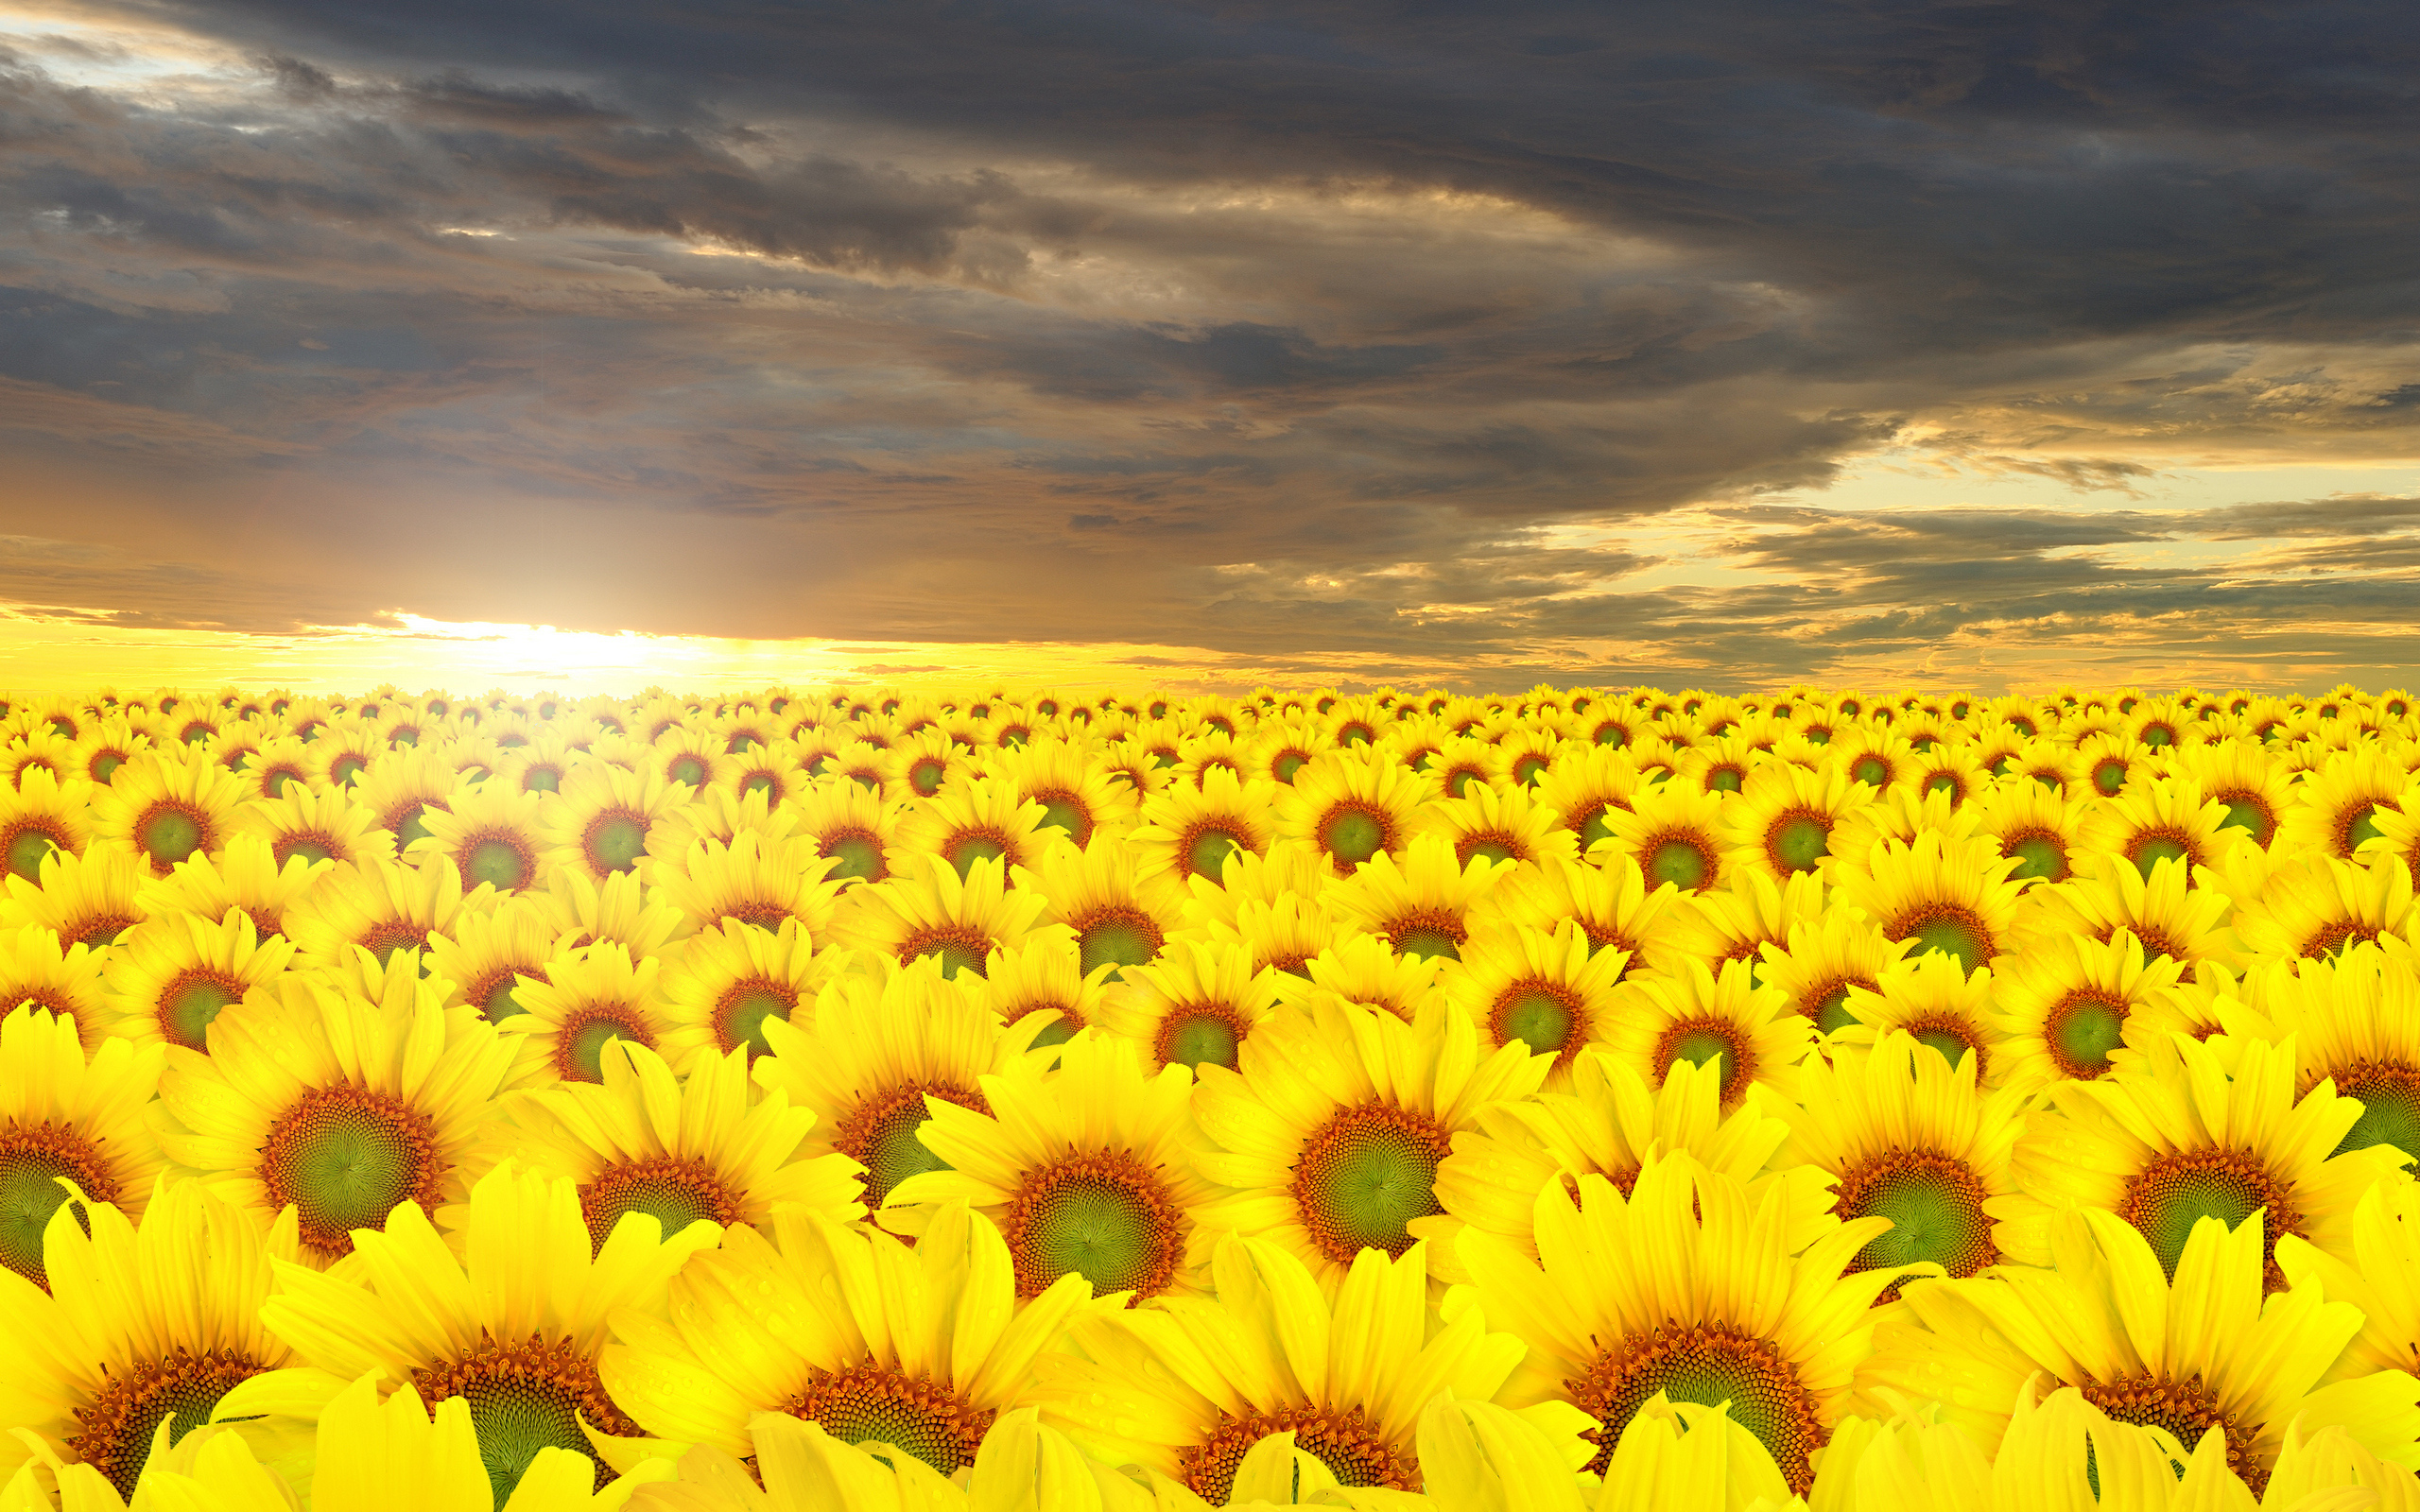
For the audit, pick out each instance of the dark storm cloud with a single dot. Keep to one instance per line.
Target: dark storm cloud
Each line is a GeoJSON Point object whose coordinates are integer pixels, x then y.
{"type": "Point", "coordinates": [1261, 328]}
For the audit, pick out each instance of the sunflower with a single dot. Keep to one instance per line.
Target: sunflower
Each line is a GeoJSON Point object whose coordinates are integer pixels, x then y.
{"type": "Point", "coordinates": [2354, 1022]}
{"type": "Point", "coordinates": [1737, 921]}
{"type": "Point", "coordinates": [1749, 1033]}
{"type": "Point", "coordinates": [692, 756]}
{"type": "Point", "coordinates": [2380, 1275]}
{"type": "Point", "coordinates": [1499, 823]}
{"type": "Point", "coordinates": [1120, 916]}
{"type": "Point", "coordinates": [857, 831]}
{"type": "Point", "coordinates": [1187, 831]}
{"type": "Point", "coordinates": [1459, 764]}
{"type": "Point", "coordinates": [342, 751]}
{"type": "Point", "coordinates": [380, 907]}
{"type": "Point", "coordinates": [1782, 824]}
{"type": "Point", "coordinates": [2186, 1134]}
{"type": "Point", "coordinates": [1196, 1004]}
{"type": "Point", "coordinates": [2313, 908]}
{"type": "Point", "coordinates": [491, 833]}
{"type": "Point", "coordinates": [868, 1339]}
{"type": "Point", "coordinates": [1822, 961]}
{"type": "Point", "coordinates": [1281, 748]}
{"type": "Point", "coordinates": [1612, 903]}
{"type": "Point", "coordinates": [66, 1115]}
{"type": "Point", "coordinates": [39, 815]}
{"type": "Point", "coordinates": [2169, 918]}
{"type": "Point", "coordinates": [1929, 997]}
{"type": "Point", "coordinates": [172, 976]}
{"type": "Point", "coordinates": [2397, 843]}
{"type": "Point", "coordinates": [338, 1098]}
{"type": "Point", "coordinates": [1910, 1137]}
{"type": "Point", "coordinates": [1042, 975]}
{"type": "Point", "coordinates": [1607, 1120]}
{"type": "Point", "coordinates": [315, 826]}
{"type": "Point", "coordinates": [39, 751]}
{"type": "Point", "coordinates": [2038, 827]}
{"type": "Point", "coordinates": [485, 955]}
{"type": "Point", "coordinates": [1289, 872]}
{"type": "Point", "coordinates": [2197, 1350]}
{"type": "Point", "coordinates": [728, 979]}
{"type": "Point", "coordinates": [2157, 820]}
{"type": "Point", "coordinates": [755, 879]}
{"type": "Point", "coordinates": [539, 766]}
{"type": "Point", "coordinates": [162, 808]}
{"type": "Point", "coordinates": [927, 760]}
{"type": "Point", "coordinates": [620, 908]}
{"type": "Point", "coordinates": [1545, 990]}
{"type": "Point", "coordinates": [603, 816]}
{"type": "Point", "coordinates": [105, 746]}
{"type": "Point", "coordinates": [1075, 796]}
{"type": "Point", "coordinates": [400, 789]}
{"type": "Point", "coordinates": [981, 818]}
{"type": "Point", "coordinates": [2072, 1007]}
{"type": "Point", "coordinates": [2336, 807]}
{"type": "Point", "coordinates": [1330, 1134]}
{"type": "Point", "coordinates": [147, 1331]}
{"type": "Point", "coordinates": [1583, 784]}
{"type": "Point", "coordinates": [1353, 804]}
{"type": "Point", "coordinates": [1950, 896]}
{"type": "Point", "coordinates": [512, 1325]}
{"type": "Point", "coordinates": [959, 922]}
{"type": "Point", "coordinates": [37, 968]}
{"type": "Point", "coordinates": [1876, 758]}
{"type": "Point", "coordinates": [1692, 1290]}
{"type": "Point", "coordinates": [682, 1148]}
{"type": "Point", "coordinates": [1523, 754]}
{"type": "Point", "coordinates": [2253, 787]}
{"type": "Point", "coordinates": [1365, 969]}
{"type": "Point", "coordinates": [246, 875]}
{"type": "Point", "coordinates": [589, 997]}
{"type": "Point", "coordinates": [1425, 906]}
{"type": "Point", "coordinates": [1671, 835]}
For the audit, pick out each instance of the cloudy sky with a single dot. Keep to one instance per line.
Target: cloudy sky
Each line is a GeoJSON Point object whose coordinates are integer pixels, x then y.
{"type": "Point", "coordinates": [1729, 344]}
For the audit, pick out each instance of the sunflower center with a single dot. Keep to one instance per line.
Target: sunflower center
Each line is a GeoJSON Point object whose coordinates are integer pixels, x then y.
{"type": "Point", "coordinates": [541, 780]}
{"type": "Point", "coordinates": [526, 1396]}
{"type": "Point", "coordinates": [740, 1014]}
{"type": "Point", "coordinates": [1679, 860]}
{"type": "Point", "coordinates": [859, 853]}
{"type": "Point", "coordinates": [675, 1192]}
{"type": "Point", "coordinates": [1198, 1035]}
{"type": "Point", "coordinates": [1702, 1039]}
{"type": "Point", "coordinates": [688, 768]}
{"type": "Point", "coordinates": [1348, 1443]}
{"type": "Point", "coordinates": [190, 1001]}
{"type": "Point", "coordinates": [1100, 1215]}
{"type": "Point", "coordinates": [1935, 1206]}
{"type": "Point", "coordinates": [1871, 770]}
{"type": "Point", "coordinates": [308, 843]}
{"type": "Point", "coordinates": [1797, 840]}
{"type": "Point", "coordinates": [880, 1135]}
{"type": "Point", "coordinates": [1829, 1005]}
{"type": "Point", "coordinates": [409, 823]}
{"type": "Point", "coordinates": [1352, 834]}
{"type": "Point", "coordinates": [1490, 846]}
{"type": "Point", "coordinates": [389, 935]}
{"type": "Point", "coordinates": [1365, 1176]}
{"type": "Point", "coordinates": [1117, 937]}
{"type": "Point", "coordinates": [1206, 852]}
{"type": "Point", "coordinates": [114, 1433]}
{"type": "Point", "coordinates": [2176, 1190]}
{"type": "Point", "coordinates": [495, 995]}
{"type": "Point", "coordinates": [503, 861]}
{"type": "Point", "coordinates": [1954, 931]}
{"type": "Point", "coordinates": [2354, 826]}
{"type": "Point", "coordinates": [613, 841]}
{"type": "Point", "coordinates": [926, 776]}
{"type": "Point", "coordinates": [580, 1044]}
{"type": "Point", "coordinates": [168, 832]}
{"type": "Point", "coordinates": [1544, 1016]}
{"type": "Point", "coordinates": [2157, 846]}
{"type": "Point", "coordinates": [25, 853]}
{"type": "Point", "coordinates": [32, 1159]}
{"type": "Point", "coordinates": [2040, 857]}
{"type": "Point", "coordinates": [1067, 811]}
{"type": "Point", "coordinates": [1711, 1364]}
{"type": "Point", "coordinates": [2248, 813]}
{"type": "Point", "coordinates": [344, 1156]}
{"type": "Point", "coordinates": [2185, 1408]}
{"type": "Point", "coordinates": [1594, 827]}
{"type": "Point", "coordinates": [868, 1405]}
{"type": "Point", "coordinates": [1953, 1037]}
{"type": "Point", "coordinates": [1428, 933]}
{"type": "Point", "coordinates": [2081, 1031]}
{"type": "Point", "coordinates": [959, 948]}
{"type": "Point", "coordinates": [2390, 1099]}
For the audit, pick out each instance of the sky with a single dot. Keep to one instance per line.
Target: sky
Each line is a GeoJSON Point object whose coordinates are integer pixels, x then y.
{"type": "Point", "coordinates": [592, 345]}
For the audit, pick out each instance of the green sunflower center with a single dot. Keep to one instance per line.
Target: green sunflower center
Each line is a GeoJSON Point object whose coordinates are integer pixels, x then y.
{"type": "Point", "coordinates": [926, 776]}
{"type": "Point", "coordinates": [1425, 936]}
{"type": "Point", "coordinates": [26, 851]}
{"type": "Point", "coordinates": [167, 834]}
{"type": "Point", "coordinates": [1935, 1206]}
{"type": "Point", "coordinates": [311, 849]}
{"type": "Point", "coordinates": [614, 841]}
{"type": "Point", "coordinates": [526, 1396]}
{"type": "Point", "coordinates": [1698, 1041]}
{"type": "Point", "coordinates": [1539, 1016]}
{"type": "Point", "coordinates": [412, 825]}
{"type": "Point", "coordinates": [541, 780]}
{"type": "Point", "coordinates": [1832, 1010]}
{"type": "Point", "coordinates": [869, 1404]}
{"type": "Point", "coordinates": [1490, 850]}
{"type": "Point", "coordinates": [688, 768]}
{"type": "Point", "coordinates": [2152, 849]}
{"type": "Point", "coordinates": [190, 1002]}
{"type": "Point", "coordinates": [1950, 930]}
{"type": "Point", "coordinates": [113, 1432]}
{"type": "Point", "coordinates": [2109, 776]}
{"type": "Point", "coordinates": [963, 850]}
{"type": "Point", "coordinates": [2390, 1099]}
{"type": "Point", "coordinates": [957, 950]}
{"type": "Point", "coordinates": [344, 1156]}
{"type": "Point", "coordinates": [498, 1002]}
{"type": "Point", "coordinates": [2362, 824]}
{"type": "Point", "coordinates": [1101, 1216]}
{"type": "Point", "coordinates": [1286, 765]}
{"type": "Point", "coordinates": [1353, 835]}
{"type": "Point", "coordinates": [1710, 1365]}
{"type": "Point", "coordinates": [500, 862]}
{"type": "Point", "coordinates": [1365, 1176]}
{"type": "Point", "coordinates": [2081, 1031]}
{"type": "Point", "coordinates": [1118, 939]}
{"type": "Point", "coordinates": [1206, 854]}
{"type": "Point", "coordinates": [1800, 840]}
{"type": "Point", "coordinates": [741, 1015]}
{"type": "Point", "coordinates": [880, 1135]}
{"type": "Point", "coordinates": [581, 1043]}
{"type": "Point", "coordinates": [674, 1192]}
{"type": "Point", "coordinates": [860, 857]}
{"type": "Point", "coordinates": [1684, 862]}
{"type": "Point", "coordinates": [105, 766]}
{"type": "Point", "coordinates": [1067, 812]}
{"type": "Point", "coordinates": [2251, 815]}
{"type": "Point", "coordinates": [2179, 1190]}
{"type": "Point", "coordinates": [1871, 770]}
{"type": "Point", "coordinates": [32, 1159]}
{"type": "Point", "coordinates": [1595, 828]}
{"type": "Point", "coordinates": [1205, 1033]}
{"type": "Point", "coordinates": [2039, 858]}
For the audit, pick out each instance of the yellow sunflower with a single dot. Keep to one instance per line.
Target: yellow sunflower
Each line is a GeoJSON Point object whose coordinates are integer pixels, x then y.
{"type": "Point", "coordinates": [400, 789]}
{"type": "Point", "coordinates": [1330, 1134]}
{"type": "Point", "coordinates": [1749, 1033]}
{"type": "Point", "coordinates": [1611, 902]}
{"type": "Point", "coordinates": [868, 1339]}
{"type": "Point", "coordinates": [2354, 1020]}
{"type": "Point", "coordinates": [2186, 1134]}
{"type": "Point", "coordinates": [342, 751]}
{"type": "Point", "coordinates": [2336, 807]}
{"type": "Point", "coordinates": [513, 1324]}
{"type": "Point", "coordinates": [1365, 969]}
{"type": "Point", "coordinates": [105, 746]}
{"type": "Point", "coordinates": [2195, 1350]}
{"type": "Point", "coordinates": [313, 825]}
{"type": "Point", "coordinates": [486, 955]}
{"type": "Point", "coordinates": [1423, 907]}
{"type": "Point", "coordinates": [1196, 1005]}
{"type": "Point", "coordinates": [1121, 916]}
{"type": "Point", "coordinates": [620, 908]}
{"type": "Point", "coordinates": [590, 996]}
{"type": "Point", "coordinates": [755, 879]}
{"type": "Point", "coordinates": [1927, 997]}
{"type": "Point", "coordinates": [2187, 924]}
{"type": "Point", "coordinates": [39, 815]}
{"type": "Point", "coordinates": [1187, 831]}
{"type": "Point", "coordinates": [1464, 763]}
{"type": "Point", "coordinates": [1585, 783]}
{"type": "Point", "coordinates": [2073, 1007]}
{"type": "Point", "coordinates": [1042, 975]}
{"type": "Point", "coordinates": [379, 907]}
{"type": "Point", "coordinates": [2038, 827]}
{"type": "Point", "coordinates": [981, 818]}
{"type": "Point", "coordinates": [1544, 990]}
{"type": "Point", "coordinates": [337, 1098]}
{"type": "Point", "coordinates": [36, 968]}
{"type": "Point", "coordinates": [2253, 787]}
{"type": "Point", "coordinates": [603, 816]}
{"type": "Point", "coordinates": [2160, 819]}
{"type": "Point", "coordinates": [1782, 824]}
{"type": "Point", "coordinates": [491, 833]}
{"type": "Point", "coordinates": [729, 979]}
{"type": "Point", "coordinates": [930, 911]}
{"type": "Point", "coordinates": [857, 831]}
{"type": "Point", "coordinates": [171, 976]}
{"type": "Point", "coordinates": [2313, 908]}
{"type": "Point", "coordinates": [1353, 804]}
{"type": "Point", "coordinates": [1500, 824]}
{"type": "Point", "coordinates": [1075, 796]}
{"type": "Point", "coordinates": [1691, 1290]}
{"type": "Point", "coordinates": [1736, 921]}
{"type": "Point", "coordinates": [162, 808]}
{"type": "Point", "coordinates": [1281, 748]}
{"type": "Point", "coordinates": [1949, 896]}
{"type": "Point", "coordinates": [1822, 961]}
{"type": "Point", "coordinates": [65, 1115]}
{"type": "Point", "coordinates": [1672, 835]}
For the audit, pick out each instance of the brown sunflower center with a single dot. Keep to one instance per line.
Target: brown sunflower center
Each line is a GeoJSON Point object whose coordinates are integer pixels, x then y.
{"type": "Point", "coordinates": [33, 1156]}
{"type": "Point", "coordinates": [959, 947]}
{"type": "Point", "coordinates": [1365, 1175]}
{"type": "Point", "coordinates": [1347, 1442]}
{"type": "Point", "coordinates": [1117, 937]}
{"type": "Point", "coordinates": [1428, 932]}
{"type": "Point", "coordinates": [190, 1001]}
{"type": "Point", "coordinates": [869, 1404]}
{"type": "Point", "coordinates": [524, 1396]}
{"type": "Point", "coordinates": [1102, 1214]}
{"type": "Point", "coordinates": [2186, 1408]}
{"type": "Point", "coordinates": [1705, 1037]}
{"type": "Point", "coordinates": [1709, 1363]}
{"type": "Point", "coordinates": [676, 1193]}
{"type": "Point", "coordinates": [2178, 1190]}
{"type": "Point", "coordinates": [168, 829]}
{"type": "Point", "coordinates": [113, 1432]}
{"type": "Point", "coordinates": [344, 1156]}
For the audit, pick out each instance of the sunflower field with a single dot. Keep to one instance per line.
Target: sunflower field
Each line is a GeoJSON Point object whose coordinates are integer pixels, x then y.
{"type": "Point", "coordinates": [836, 1097]}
